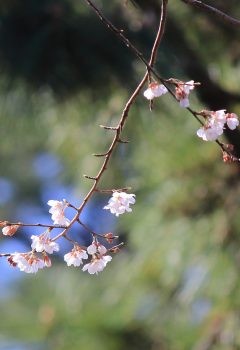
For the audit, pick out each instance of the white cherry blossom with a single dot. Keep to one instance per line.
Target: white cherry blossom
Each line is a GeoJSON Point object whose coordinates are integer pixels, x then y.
{"type": "Point", "coordinates": [215, 124]}
{"type": "Point", "coordinates": [44, 243]}
{"type": "Point", "coordinates": [209, 133]}
{"type": "Point", "coordinates": [57, 210]}
{"type": "Point", "coordinates": [28, 263]}
{"type": "Point", "coordinates": [97, 264]}
{"type": "Point", "coordinates": [154, 90]}
{"type": "Point", "coordinates": [96, 247]}
{"type": "Point", "coordinates": [76, 256]}
{"type": "Point", "coordinates": [120, 202]}
{"type": "Point", "coordinates": [232, 120]}
{"type": "Point", "coordinates": [182, 92]}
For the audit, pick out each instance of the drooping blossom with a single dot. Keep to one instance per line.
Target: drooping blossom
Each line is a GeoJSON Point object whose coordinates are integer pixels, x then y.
{"type": "Point", "coordinates": [120, 202]}
{"type": "Point", "coordinates": [182, 92]}
{"type": "Point", "coordinates": [76, 256]}
{"type": "Point", "coordinates": [10, 230]}
{"type": "Point", "coordinates": [97, 264]}
{"type": "Point", "coordinates": [99, 258]}
{"type": "Point", "coordinates": [57, 210]}
{"type": "Point", "coordinates": [96, 248]}
{"type": "Point", "coordinates": [27, 262]}
{"type": "Point", "coordinates": [44, 243]}
{"type": "Point", "coordinates": [154, 90]}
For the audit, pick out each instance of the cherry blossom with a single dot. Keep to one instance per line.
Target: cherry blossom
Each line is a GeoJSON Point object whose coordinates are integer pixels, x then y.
{"type": "Point", "coordinates": [96, 247]}
{"type": "Point", "coordinates": [75, 256]}
{"type": "Point", "coordinates": [215, 123]}
{"type": "Point", "coordinates": [27, 262]}
{"type": "Point", "coordinates": [182, 92]}
{"type": "Point", "coordinates": [232, 120]}
{"type": "Point", "coordinates": [97, 264]}
{"type": "Point", "coordinates": [119, 203]}
{"type": "Point", "coordinates": [10, 230]}
{"type": "Point", "coordinates": [208, 133]}
{"type": "Point", "coordinates": [44, 243]}
{"type": "Point", "coordinates": [154, 90]}
{"type": "Point", "coordinates": [57, 210]}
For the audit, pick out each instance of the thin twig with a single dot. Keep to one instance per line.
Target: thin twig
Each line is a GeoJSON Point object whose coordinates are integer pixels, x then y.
{"type": "Point", "coordinates": [215, 12]}
{"type": "Point", "coordinates": [7, 223]}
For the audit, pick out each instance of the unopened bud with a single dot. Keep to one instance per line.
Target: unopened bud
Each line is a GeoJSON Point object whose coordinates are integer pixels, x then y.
{"type": "Point", "coordinates": [11, 262]}
{"type": "Point", "coordinates": [110, 237]}
{"type": "Point", "coordinates": [3, 223]}
{"type": "Point", "coordinates": [114, 250]}
{"type": "Point", "coordinates": [47, 260]}
{"type": "Point", "coordinates": [229, 147]}
{"type": "Point", "coordinates": [10, 230]}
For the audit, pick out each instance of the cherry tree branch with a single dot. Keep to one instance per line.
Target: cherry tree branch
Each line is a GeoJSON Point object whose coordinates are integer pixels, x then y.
{"type": "Point", "coordinates": [150, 68]}
{"type": "Point", "coordinates": [119, 128]}
{"type": "Point", "coordinates": [213, 11]}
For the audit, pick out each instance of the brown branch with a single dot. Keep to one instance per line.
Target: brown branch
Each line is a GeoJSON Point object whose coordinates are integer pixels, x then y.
{"type": "Point", "coordinates": [132, 99]}
{"type": "Point", "coordinates": [118, 129]}
{"type": "Point", "coordinates": [213, 11]}
{"type": "Point", "coordinates": [7, 223]}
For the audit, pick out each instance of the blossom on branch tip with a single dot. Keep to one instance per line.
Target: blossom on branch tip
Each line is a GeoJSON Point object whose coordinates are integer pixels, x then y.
{"type": "Point", "coordinates": [154, 90]}
{"type": "Point", "coordinates": [75, 256]}
{"type": "Point", "coordinates": [182, 92]}
{"type": "Point", "coordinates": [57, 210]}
{"type": "Point", "coordinates": [120, 202]}
{"type": "Point", "coordinates": [10, 230]}
{"type": "Point", "coordinates": [43, 243]}
{"type": "Point", "coordinates": [97, 264]}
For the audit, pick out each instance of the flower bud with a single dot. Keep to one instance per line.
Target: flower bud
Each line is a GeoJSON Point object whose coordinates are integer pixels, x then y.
{"type": "Point", "coordinates": [10, 230]}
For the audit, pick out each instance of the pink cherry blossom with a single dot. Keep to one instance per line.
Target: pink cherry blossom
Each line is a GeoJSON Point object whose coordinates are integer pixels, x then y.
{"type": "Point", "coordinates": [10, 230]}
{"type": "Point", "coordinates": [120, 202]}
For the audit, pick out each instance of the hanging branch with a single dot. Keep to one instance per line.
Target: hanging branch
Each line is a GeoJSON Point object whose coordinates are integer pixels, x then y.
{"type": "Point", "coordinates": [215, 12]}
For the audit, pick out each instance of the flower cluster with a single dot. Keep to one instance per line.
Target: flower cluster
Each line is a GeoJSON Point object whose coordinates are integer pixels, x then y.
{"type": "Point", "coordinates": [182, 91]}
{"type": "Point", "coordinates": [120, 202]}
{"type": "Point", "coordinates": [57, 210]}
{"type": "Point", "coordinates": [99, 258]}
{"type": "Point", "coordinates": [76, 256]}
{"type": "Point", "coordinates": [215, 122]}
{"type": "Point", "coordinates": [27, 262]}
{"type": "Point", "coordinates": [43, 244]}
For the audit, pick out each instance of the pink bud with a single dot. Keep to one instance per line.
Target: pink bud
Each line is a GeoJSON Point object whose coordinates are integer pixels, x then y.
{"type": "Point", "coordinates": [10, 230]}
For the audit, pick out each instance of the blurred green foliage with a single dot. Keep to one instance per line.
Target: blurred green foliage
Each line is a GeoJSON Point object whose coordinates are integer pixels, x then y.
{"type": "Point", "coordinates": [175, 286]}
